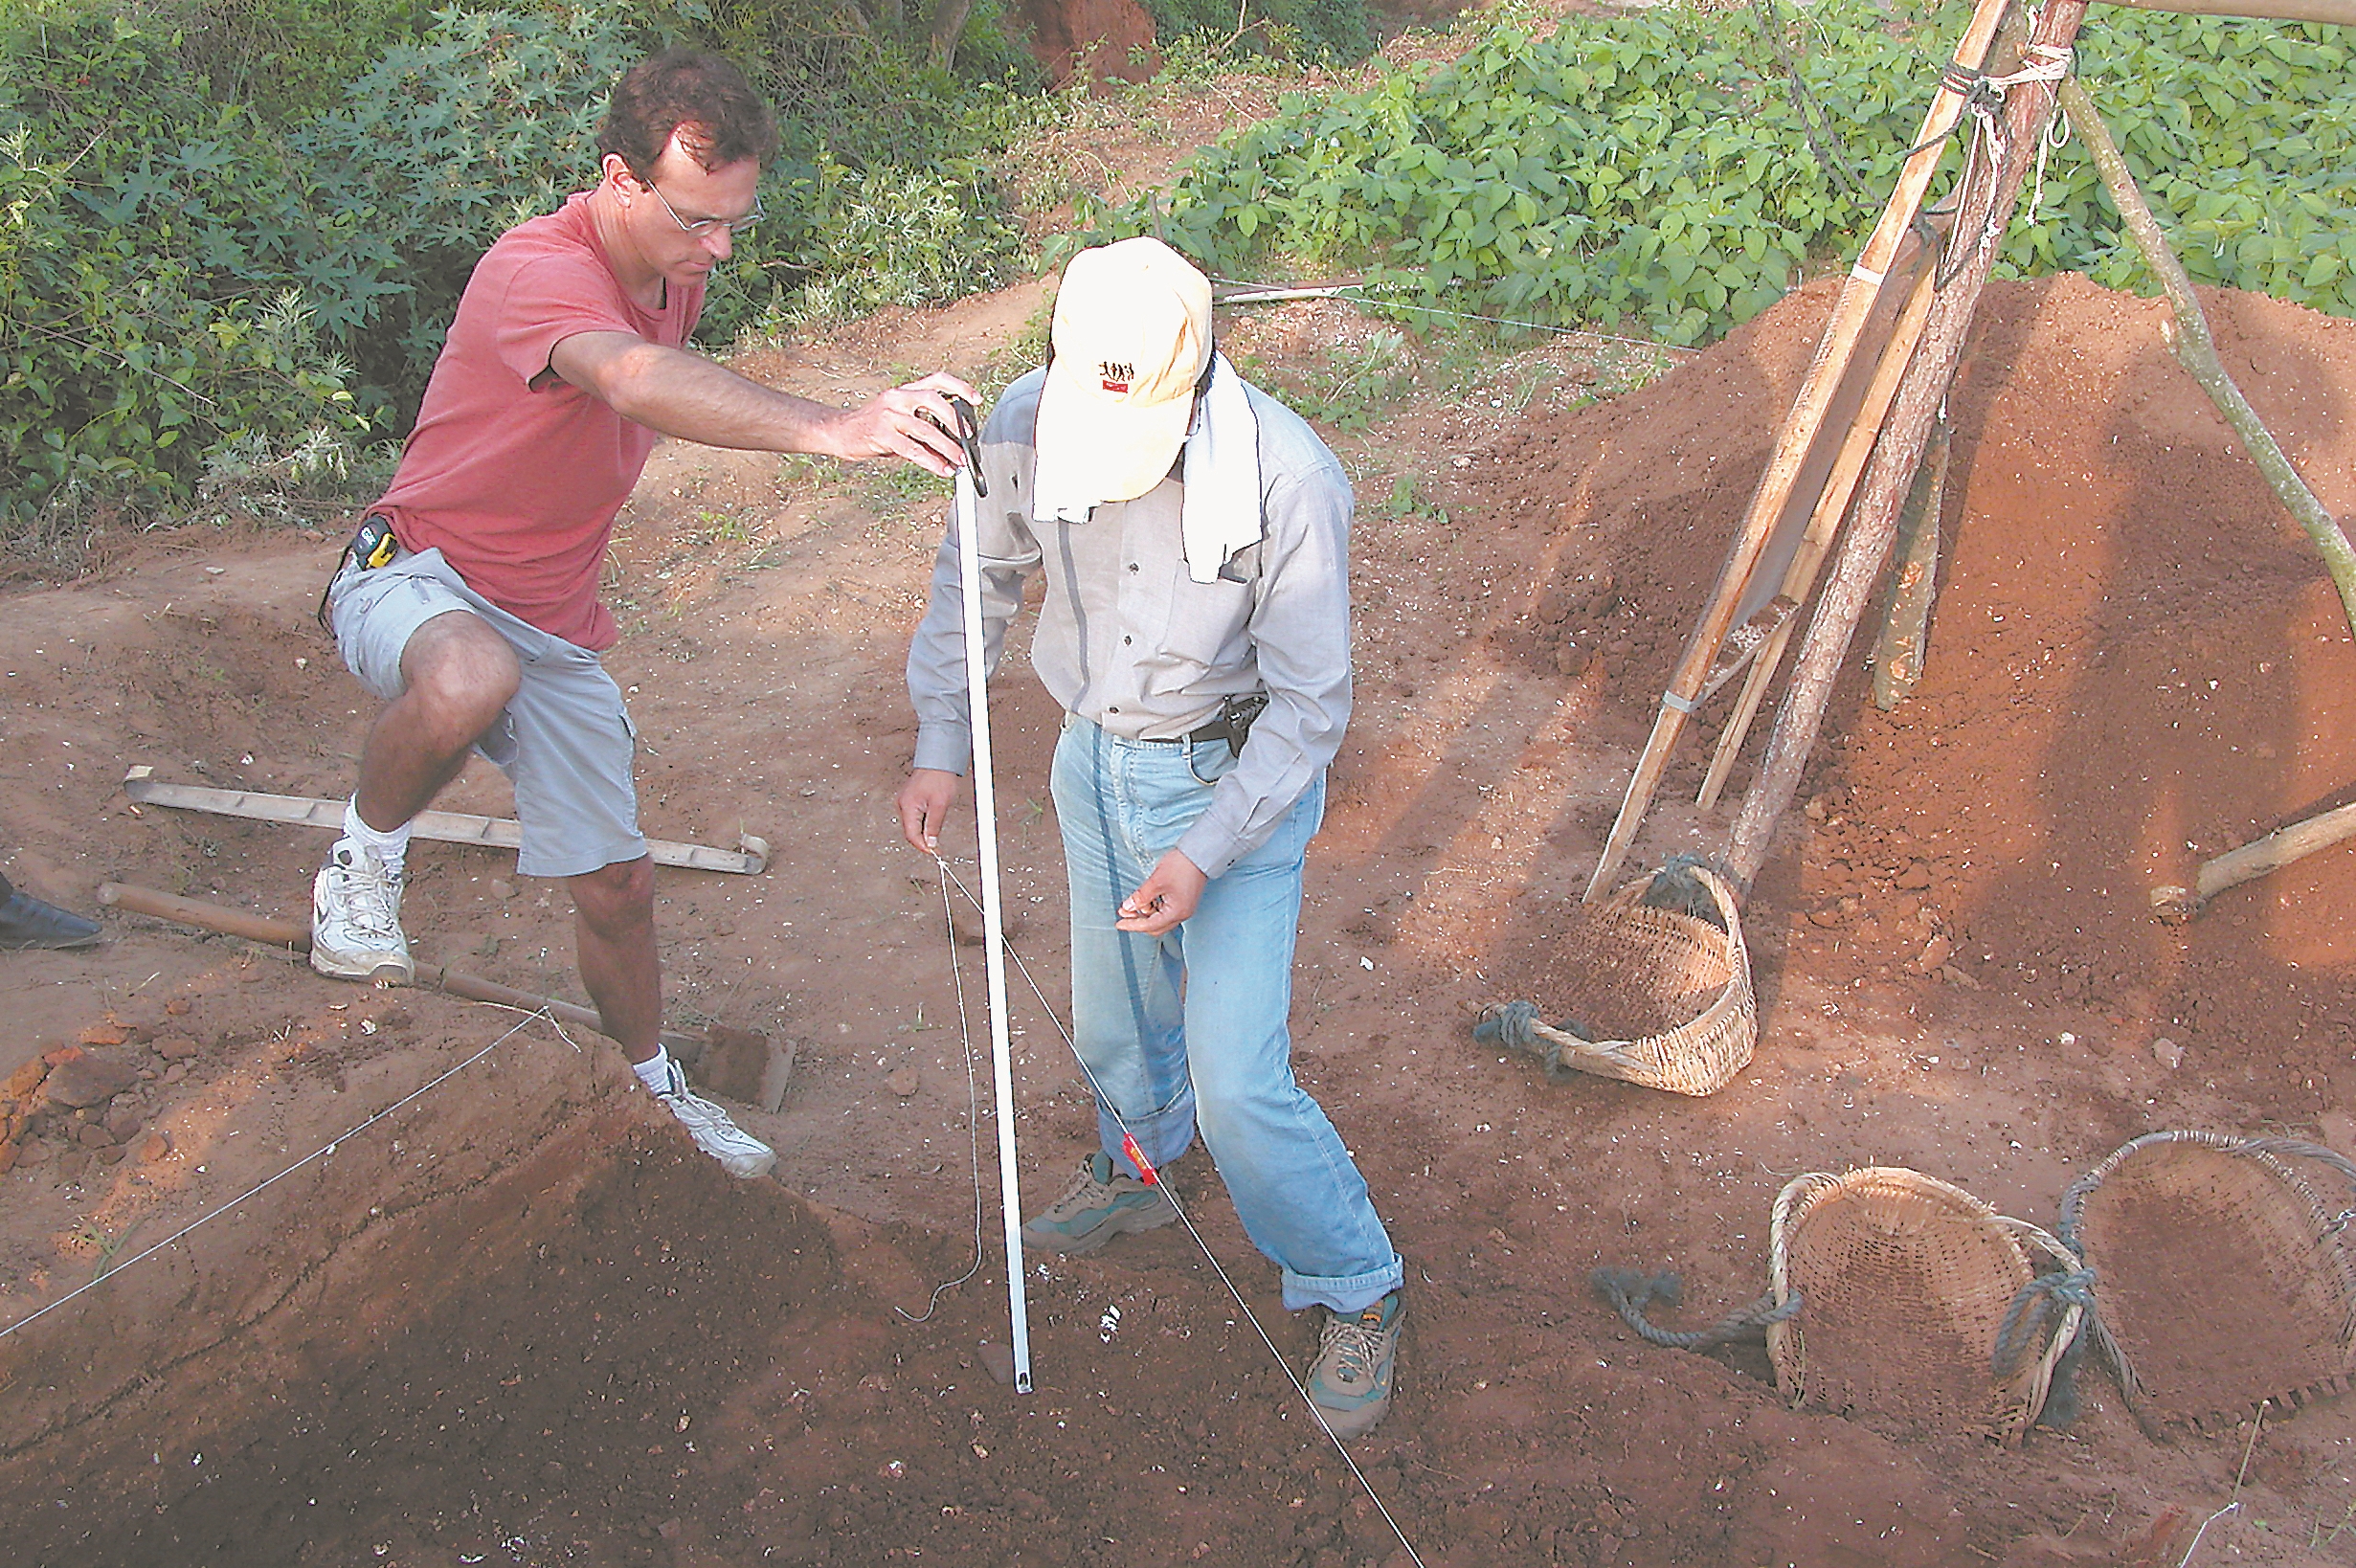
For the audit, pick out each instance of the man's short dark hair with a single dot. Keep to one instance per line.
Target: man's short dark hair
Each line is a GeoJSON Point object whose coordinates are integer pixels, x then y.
{"type": "Point", "coordinates": [721, 117]}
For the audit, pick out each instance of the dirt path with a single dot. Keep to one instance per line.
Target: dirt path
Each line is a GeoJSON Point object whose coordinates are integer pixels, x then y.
{"type": "Point", "coordinates": [512, 1322]}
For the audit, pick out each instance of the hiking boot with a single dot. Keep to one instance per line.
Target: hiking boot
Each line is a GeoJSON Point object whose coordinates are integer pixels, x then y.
{"type": "Point", "coordinates": [1350, 1381]}
{"type": "Point", "coordinates": [1100, 1205]}
{"type": "Point", "coordinates": [739, 1152]}
{"type": "Point", "coordinates": [356, 919]}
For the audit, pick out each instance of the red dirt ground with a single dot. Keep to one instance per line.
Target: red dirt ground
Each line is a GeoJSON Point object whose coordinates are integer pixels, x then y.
{"type": "Point", "coordinates": [513, 1321]}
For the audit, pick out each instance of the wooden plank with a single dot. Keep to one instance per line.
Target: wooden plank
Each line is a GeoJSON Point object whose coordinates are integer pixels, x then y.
{"type": "Point", "coordinates": [1840, 485]}
{"type": "Point", "coordinates": [1906, 631]}
{"type": "Point", "coordinates": [749, 859]}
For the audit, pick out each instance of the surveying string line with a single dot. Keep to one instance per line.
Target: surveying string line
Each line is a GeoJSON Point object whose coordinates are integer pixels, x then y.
{"type": "Point", "coordinates": [315, 1154]}
{"type": "Point", "coordinates": [973, 1100]}
{"type": "Point", "coordinates": [1129, 1146]}
{"type": "Point", "coordinates": [1269, 294]}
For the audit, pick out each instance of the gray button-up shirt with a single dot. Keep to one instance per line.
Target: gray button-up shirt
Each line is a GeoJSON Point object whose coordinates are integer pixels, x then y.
{"type": "Point", "coordinates": [1128, 639]}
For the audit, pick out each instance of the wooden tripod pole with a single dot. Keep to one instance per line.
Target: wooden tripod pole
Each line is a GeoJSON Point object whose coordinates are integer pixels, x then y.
{"type": "Point", "coordinates": [1797, 440]}
{"type": "Point", "coordinates": [2028, 107]}
{"type": "Point", "coordinates": [2197, 350]}
{"type": "Point", "coordinates": [1799, 579]}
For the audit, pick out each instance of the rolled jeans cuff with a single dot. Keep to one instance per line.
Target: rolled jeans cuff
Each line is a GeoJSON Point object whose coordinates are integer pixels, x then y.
{"type": "Point", "coordinates": [1352, 1293]}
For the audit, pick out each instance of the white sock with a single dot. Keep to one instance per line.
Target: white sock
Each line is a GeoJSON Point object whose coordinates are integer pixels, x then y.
{"type": "Point", "coordinates": [390, 850]}
{"type": "Point", "coordinates": [655, 1072]}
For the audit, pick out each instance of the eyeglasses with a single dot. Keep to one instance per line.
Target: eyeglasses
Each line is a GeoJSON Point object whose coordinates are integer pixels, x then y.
{"type": "Point", "coordinates": [701, 227]}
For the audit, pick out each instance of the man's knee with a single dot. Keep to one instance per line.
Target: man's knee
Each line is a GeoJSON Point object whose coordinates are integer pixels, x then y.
{"type": "Point", "coordinates": [460, 673]}
{"type": "Point", "coordinates": [616, 898]}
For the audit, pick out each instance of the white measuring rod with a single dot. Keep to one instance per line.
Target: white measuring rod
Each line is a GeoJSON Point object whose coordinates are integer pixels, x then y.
{"type": "Point", "coordinates": [992, 918]}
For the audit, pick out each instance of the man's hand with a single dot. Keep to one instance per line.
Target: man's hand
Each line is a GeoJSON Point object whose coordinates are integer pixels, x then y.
{"type": "Point", "coordinates": [680, 393]}
{"type": "Point", "coordinates": [923, 806]}
{"type": "Point", "coordinates": [894, 424]}
{"type": "Point", "coordinates": [1166, 897]}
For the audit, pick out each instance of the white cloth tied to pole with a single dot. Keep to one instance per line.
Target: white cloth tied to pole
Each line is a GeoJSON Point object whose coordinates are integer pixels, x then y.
{"type": "Point", "coordinates": [993, 920]}
{"type": "Point", "coordinates": [1220, 466]}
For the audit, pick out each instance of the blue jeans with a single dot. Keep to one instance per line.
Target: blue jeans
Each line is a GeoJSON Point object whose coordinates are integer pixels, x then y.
{"type": "Point", "coordinates": [1188, 1031]}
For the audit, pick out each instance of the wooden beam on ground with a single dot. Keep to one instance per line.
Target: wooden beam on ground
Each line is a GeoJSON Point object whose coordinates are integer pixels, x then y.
{"type": "Point", "coordinates": [1797, 440]}
{"type": "Point", "coordinates": [2253, 860]}
{"type": "Point", "coordinates": [449, 827]}
{"type": "Point", "coordinates": [2028, 108]}
{"type": "Point", "coordinates": [297, 938]}
{"type": "Point", "coordinates": [1906, 632]}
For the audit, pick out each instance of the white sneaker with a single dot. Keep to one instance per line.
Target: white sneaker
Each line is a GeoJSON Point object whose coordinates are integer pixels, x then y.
{"type": "Point", "coordinates": [739, 1152]}
{"type": "Point", "coordinates": [356, 919]}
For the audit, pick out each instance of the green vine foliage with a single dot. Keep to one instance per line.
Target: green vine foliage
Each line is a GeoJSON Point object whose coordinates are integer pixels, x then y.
{"type": "Point", "coordinates": [2242, 135]}
{"type": "Point", "coordinates": [1655, 171]}
{"type": "Point", "coordinates": [489, 120]}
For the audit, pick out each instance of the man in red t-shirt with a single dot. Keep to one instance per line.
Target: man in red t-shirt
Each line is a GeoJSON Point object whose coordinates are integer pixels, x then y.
{"type": "Point", "coordinates": [468, 601]}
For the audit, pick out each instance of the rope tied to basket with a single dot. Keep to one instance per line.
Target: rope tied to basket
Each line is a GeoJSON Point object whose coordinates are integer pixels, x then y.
{"type": "Point", "coordinates": [1629, 1290]}
{"type": "Point", "coordinates": [1516, 1026]}
{"type": "Point", "coordinates": [2046, 1296]}
{"type": "Point", "coordinates": [1509, 1026]}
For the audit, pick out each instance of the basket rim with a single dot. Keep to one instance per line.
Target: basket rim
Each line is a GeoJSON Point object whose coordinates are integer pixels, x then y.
{"type": "Point", "coordinates": [2019, 1397]}
{"type": "Point", "coordinates": [1733, 1007]}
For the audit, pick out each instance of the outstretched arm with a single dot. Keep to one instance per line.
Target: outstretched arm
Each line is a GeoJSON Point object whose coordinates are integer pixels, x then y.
{"type": "Point", "coordinates": [683, 393]}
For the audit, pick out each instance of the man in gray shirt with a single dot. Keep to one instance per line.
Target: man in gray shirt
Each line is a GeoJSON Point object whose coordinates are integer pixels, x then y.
{"type": "Point", "coordinates": [1194, 537]}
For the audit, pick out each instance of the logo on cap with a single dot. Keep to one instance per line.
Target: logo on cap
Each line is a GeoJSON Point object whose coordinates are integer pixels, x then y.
{"type": "Point", "coordinates": [1116, 375]}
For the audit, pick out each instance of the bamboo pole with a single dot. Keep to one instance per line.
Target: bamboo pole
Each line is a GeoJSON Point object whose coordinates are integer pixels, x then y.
{"type": "Point", "coordinates": [1797, 440]}
{"type": "Point", "coordinates": [2337, 12]}
{"type": "Point", "coordinates": [2196, 349]}
{"type": "Point", "coordinates": [1799, 577]}
{"type": "Point", "coordinates": [2028, 107]}
{"type": "Point", "coordinates": [1914, 588]}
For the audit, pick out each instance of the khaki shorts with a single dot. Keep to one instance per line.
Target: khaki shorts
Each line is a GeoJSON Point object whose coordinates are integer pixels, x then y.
{"type": "Point", "coordinates": [565, 739]}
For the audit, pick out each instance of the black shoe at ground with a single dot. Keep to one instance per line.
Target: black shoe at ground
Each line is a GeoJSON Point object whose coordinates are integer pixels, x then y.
{"type": "Point", "coordinates": [27, 921]}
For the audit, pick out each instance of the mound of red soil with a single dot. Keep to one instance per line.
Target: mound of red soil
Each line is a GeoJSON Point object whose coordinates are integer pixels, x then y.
{"type": "Point", "coordinates": [2136, 662]}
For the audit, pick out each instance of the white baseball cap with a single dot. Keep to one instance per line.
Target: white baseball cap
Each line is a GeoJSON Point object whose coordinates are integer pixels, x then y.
{"type": "Point", "coordinates": [1132, 335]}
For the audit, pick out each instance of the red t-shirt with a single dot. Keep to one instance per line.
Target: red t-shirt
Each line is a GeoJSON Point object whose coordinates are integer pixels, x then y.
{"type": "Point", "coordinates": [512, 472]}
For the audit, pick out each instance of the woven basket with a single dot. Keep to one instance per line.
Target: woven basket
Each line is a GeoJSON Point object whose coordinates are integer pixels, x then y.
{"type": "Point", "coordinates": [1907, 1288]}
{"type": "Point", "coordinates": [1685, 980]}
{"type": "Point", "coordinates": [2224, 1274]}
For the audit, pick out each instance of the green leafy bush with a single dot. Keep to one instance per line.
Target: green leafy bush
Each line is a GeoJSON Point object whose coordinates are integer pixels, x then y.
{"type": "Point", "coordinates": [1653, 168]}
{"type": "Point", "coordinates": [192, 293]}
{"type": "Point", "coordinates": [136, 333]}
{"type": "Point", "coordinates": [880, 148]}
{"type": "Point", "coordinates": [489, 120]}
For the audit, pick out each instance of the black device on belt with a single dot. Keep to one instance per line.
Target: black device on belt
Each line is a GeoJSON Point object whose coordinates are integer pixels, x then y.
{"type": "Point", "coordinates": [371, 547]}
{"type": "Point", "coordinates": [1234, 722]}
